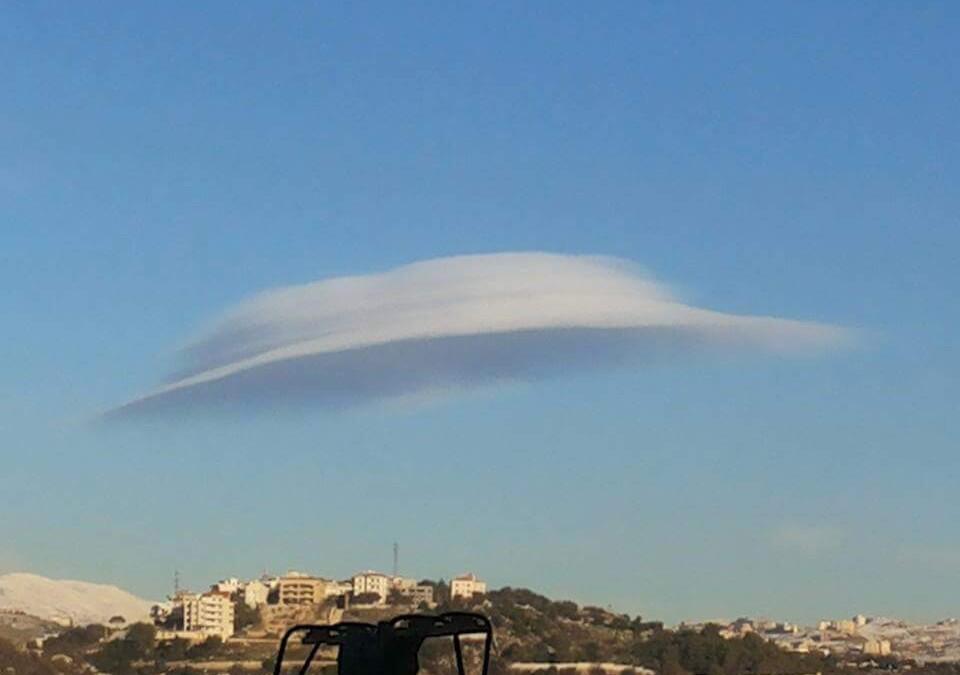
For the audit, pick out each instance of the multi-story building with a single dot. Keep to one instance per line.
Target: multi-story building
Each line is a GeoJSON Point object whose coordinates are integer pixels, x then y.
{"type": "Point", "coordinates": [254, 593]}
{"type": "Point", "coordinates": [208, 613]}
{"type": "Point", "coordinates": [413, 591]}
{"type": "Point", "coordinates": [301, 590]}
{"type": "Point", "coordinates": [848, 626]}
{"type": "Point", "coordinates": [420, 594]}
{"type": "Point", "coordinates": [229, 586]}
{"type": "Point", "coordinates": [372, 582]}
{"type": "Point", "coordinates": [403, 584]}
{"type": "Point", "coordinates": [466, 586]}
{"type": "Point", "coordinates": [877, 647]}
{"type": "Point", "coordinates": [335, 589]}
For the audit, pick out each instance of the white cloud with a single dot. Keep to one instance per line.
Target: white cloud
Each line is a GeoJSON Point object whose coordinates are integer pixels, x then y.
{"type": "Point", "coordinates": [452, 323]}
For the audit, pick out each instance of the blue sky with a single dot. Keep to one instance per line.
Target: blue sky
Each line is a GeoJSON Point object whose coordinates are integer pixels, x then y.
{"type": "Point", "coordinates": [160, 164]}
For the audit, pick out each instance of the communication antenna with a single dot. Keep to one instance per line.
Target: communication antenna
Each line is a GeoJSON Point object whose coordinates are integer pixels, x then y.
{"type": "Point", "coordinates": [176, 583]}
{"type": "Point", "coordinates": [396, 559]}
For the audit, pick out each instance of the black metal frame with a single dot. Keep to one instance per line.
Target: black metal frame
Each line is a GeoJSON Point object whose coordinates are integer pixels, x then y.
{"type": "Point", "coordinates": [389, 647]}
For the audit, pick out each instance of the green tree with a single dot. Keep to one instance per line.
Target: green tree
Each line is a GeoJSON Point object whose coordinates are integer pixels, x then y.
{"type": "Point", "coordinates": [441, 592]}
{"type": "Point", "coordinates": [366, 598]}
{"type": "Point", "coordinates": [116, 657]}
{"type": "Point", "coordinates": [672, 667]}
{"type": "Point", "coordinates": [174, 650]}
{"type": "Point", "coordinates": [591, 651]}
{"type": "Point", "coordinates": [18, 662]}
{"type": "Point", "coordinates": [207, 649]}
{"type": "Point", "coordinates": [74, 640]}
{"type": "Point", "coordinates": [244, 616]}
{"type": "Point", "coordinates": [565, 609]}
{"type": "Point", "coordinates": [143, 636]}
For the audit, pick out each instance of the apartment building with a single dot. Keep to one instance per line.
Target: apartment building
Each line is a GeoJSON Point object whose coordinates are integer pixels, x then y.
{"type": "Point", "coordinates": [372, 582]}
{"type": "Point", "coordinates": [412, 590]}
{"type": "Point", "coordinates": [208, 613]}
{"type": "Point", "coordinates": [254, 593]}
{"type": "Point", "coordinates": [877, 647]}
{"type": "Point", "coordinates": [335, 589]}
{"type": "Point", "coordinates": [301, 590]}
{"type": "Point", "coordinates": [466, 586]}
{"type": "Point", "coordinates": [420, 594]}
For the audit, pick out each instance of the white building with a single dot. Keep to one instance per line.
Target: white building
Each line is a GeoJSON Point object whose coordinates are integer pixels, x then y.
{"type": "Point", "coordinates": [848, 626]}
{"type": "Point", "coordinates": [877, 647]}
{"type": "Point", "coordinates": [254, 593]}
{"type": "Point", "coordinates": [335, 589]}
{"type": "Point", "coordinates": [229, 586]}
{"type": "Point", "coordinates": [421, 594]}
{"type": "Point", "coordinates": [403, 584]}
{"type": "Point", "coordinates": [412, 590]}
{"type": "Point", "coordinates": [299, 589]}
{"type": "Point", "coordinates": [466, 586]}
{"type": "Point", "coordinates": [372, 582]}
{"type": "Point", "coordinates": [208, 613]}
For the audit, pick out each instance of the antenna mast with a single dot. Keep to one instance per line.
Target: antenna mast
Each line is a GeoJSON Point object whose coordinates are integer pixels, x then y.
{"type": "Point", "coordinates": [396, 559]}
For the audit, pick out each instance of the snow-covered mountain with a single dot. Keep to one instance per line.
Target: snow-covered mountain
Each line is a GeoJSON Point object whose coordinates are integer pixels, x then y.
{"type": "Point", "coordinates": [77, 601]}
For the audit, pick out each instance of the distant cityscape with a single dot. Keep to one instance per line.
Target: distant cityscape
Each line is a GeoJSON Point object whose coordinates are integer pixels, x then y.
{"type": "Point", "coordinates": [281, 600]}
{"type": "Point", "coordinates": [856, 636]}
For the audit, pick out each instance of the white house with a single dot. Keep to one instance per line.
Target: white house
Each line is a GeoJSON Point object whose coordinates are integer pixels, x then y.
{"type": "Point", "coordinates": [372, 582]}
{"type": "Point", "coordinates": [466, 586]}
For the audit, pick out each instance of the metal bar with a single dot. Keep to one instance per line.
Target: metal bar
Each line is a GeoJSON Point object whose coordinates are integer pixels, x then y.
{"type": "Point", "coordinates": [459, 652]}
{"type": "Point", "coordinates": [486, 652]}
{"type": "Point", "coordinates": [281, 651]}
{"type": "Point", "coordinates": [306, 664]}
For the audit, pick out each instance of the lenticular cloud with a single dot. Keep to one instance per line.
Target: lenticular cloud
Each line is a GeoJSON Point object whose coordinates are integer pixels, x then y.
{"type": "Point", "coordinates": [453, 323]}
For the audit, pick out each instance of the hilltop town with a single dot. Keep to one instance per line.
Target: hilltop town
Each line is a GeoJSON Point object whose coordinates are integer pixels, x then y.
{"type": "Point", "coordinates": [271, 603]}
{"type": "Point", "coordinates": [267, 605]}
{"type": "Point", "coordinates": [233, 626]}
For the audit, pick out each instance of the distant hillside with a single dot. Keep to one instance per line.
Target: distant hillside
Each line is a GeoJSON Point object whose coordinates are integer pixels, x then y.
{"type": "Point", "coordinates": [532, 629]}
{"type": "Point", "coordinates": [77, 601]}
{"type": "Point", "coordinates": [19, 628]}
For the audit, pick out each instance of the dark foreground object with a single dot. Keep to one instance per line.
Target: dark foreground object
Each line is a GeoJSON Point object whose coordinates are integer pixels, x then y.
{"type": "Point", "coordinates": [389, 647]}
